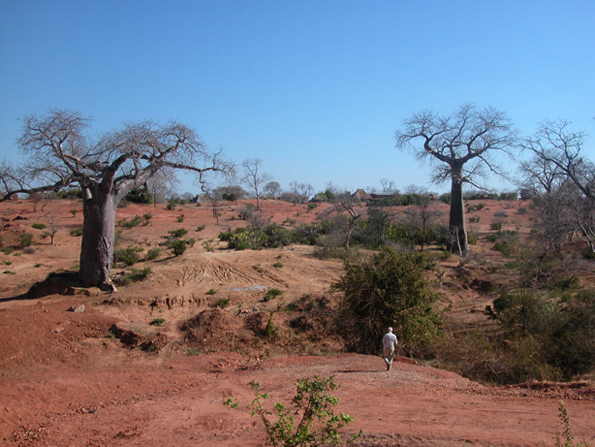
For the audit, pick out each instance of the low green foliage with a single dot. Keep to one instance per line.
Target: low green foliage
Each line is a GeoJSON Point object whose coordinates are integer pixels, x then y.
{"type": "Point", "coordinates": [157, 322]}
{"type": "Point", "coordinates": [200, 228]}
{"type": "Point", "coordinates": [222, 303]}
{"type": "Point", "coordinates": [556, 324]}
{"type": "Point", "coordinates": [566, 432]}
{"type": "Point", "coordinates": [6, 250]}
{"type": "Point", "coordinates": [208, 245]}
{"type": "Point", "coordinates": [271, 294]}
{"type": "Point", "coordinates": [134, 222]}
{"type": "Point", "coordinates": [26, 239]}
{"type": "Point", "coordinates": [211, 292]}
{"type": "Point", "coordinates": [137, 275]}
{"type": "Point", "coordinates": [179, 246]}
{"type": "Point", "coordinates": [180, 218]}
{"type": "Point", "coordinates": [39, 226]}
{"type": "Point", "coordinates": [277, 265]}
{"type": "Point", "coordinates": [76, 231]}
{"type": "Point", "coordinates": [178, 233]}
{"type": "Point", "coordinates": [153, 253]}
{"type": "Point", "coordinates": [311, 421]}
{"type": "Point", "coordinates": [9, 272]}
{"type": "Point", "coordinates": [389, 289]}
{"type": "Point", "coordinates": [128, 256]}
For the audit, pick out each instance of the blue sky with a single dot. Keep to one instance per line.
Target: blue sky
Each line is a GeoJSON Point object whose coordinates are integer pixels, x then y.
{"type": "Point", "coordinates": [316, 89]}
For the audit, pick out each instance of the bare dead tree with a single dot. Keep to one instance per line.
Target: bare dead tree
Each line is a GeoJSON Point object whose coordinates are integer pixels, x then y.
{"type": "Point", "coordinates": [254, 178]}
{"type": "Point", "coordinates": [162, 184]}
{"type": "Point", "coordinates": [60, 153]}
{"type": "Point", "coordinates": [461, 146]}
{"type": "Point", "coordinates": [272, 189]}
{"type": "Point", "coordinates": [556, 153]}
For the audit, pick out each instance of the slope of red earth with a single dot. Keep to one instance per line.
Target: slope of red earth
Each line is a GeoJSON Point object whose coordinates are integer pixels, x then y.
{"type": "Point", "coordinates": [66, 380]}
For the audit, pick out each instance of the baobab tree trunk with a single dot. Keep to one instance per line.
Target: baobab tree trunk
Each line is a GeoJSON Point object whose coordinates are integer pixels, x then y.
{"type": "Point", "coordinates": [457, 231]}
{"type": "Point", "coordinates": [97, 250]}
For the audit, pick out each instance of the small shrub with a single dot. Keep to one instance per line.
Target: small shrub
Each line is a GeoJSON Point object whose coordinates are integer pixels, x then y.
{"type": "Point", "coordinates": [474, 219]}
{"type": "Point", "coordinates": [38, 226]}
{"type": "Point", "coordinates": [271, 294]}
{"type": "Point", "coordinates": [222, 303]}
{"type": "Point", "coordinates": [26, 239]}
{"type": "Point", "coordinates": [496, 226]}
{"type": "Point", "coordinates": [446, 254]}
{"type": "Point", "coordinates": [313, 403]}
{"type": "Point", "coordinates": [37, 266]}
{"type": "Point", "coordinates": [312, 206]}
{"type": "Point", "coordinates": [171, 206]}
{"type": "Point", "coordinates": [9, 272]}
{"type": "Point", "coordinates": [277, 265]}
{"type": "Point", "coordinates": [271, 329]}
{"type": "Point", "coordinates": [158, 322]}
{"type": "Point", "coordinates": [134, 222]}
{"type": "Point", "coordinates": [211, 292]}
{"type": "Point", "coordinates": [73, 212]}
{"type": "Point", "coordinates": [76, 231]}
{"type": "Point", "coordinates": [472, 238]}
{"type": "Point", "coordinates": [178, 233]}
{"type": "Point", "coordinates": [6, 250]}
{"type": "Point", "coordinates": [153, 253]}
{"type": "Point", "coordinates": [179, 246]}
{"type": "Point", "coordinates": [137, 275]}
{"type": "Point", "coordinates": [522, 210]}
{"type": "Point", "coordinates": [180, 218]}
{"type": "Point", "coordinates": [7, 262]}
{"type": "Point", "coordinates": [192, 351]}
{"type": "Point", "coordinates": [208, 245]}
{"type": "Point", "coordinates": [291, 307]}
{"type": "Point", "coordinates": [200, 228]}
{"type": "Point", "coordinates": [128, 256]}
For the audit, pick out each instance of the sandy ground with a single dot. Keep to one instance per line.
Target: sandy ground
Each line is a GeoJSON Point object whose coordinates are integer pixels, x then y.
{"type": "Point", "coordinates": [66, 381]}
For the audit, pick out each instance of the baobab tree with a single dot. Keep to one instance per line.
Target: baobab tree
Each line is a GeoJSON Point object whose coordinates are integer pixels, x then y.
{"type": "Point", "coordinates": [58, 153]}
{"type": "Point", "coordinates": [461, 147]}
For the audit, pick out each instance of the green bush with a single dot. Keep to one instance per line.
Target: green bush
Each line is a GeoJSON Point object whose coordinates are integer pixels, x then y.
{"type": "Point", "coordinates": [200, 228]}
{"type": "Point", "coordinates": [128, 256]}
{"type": "Point", "coordinates": [179, 246]}
{"type": "Point", "coordinates": [211, 292]}
{"type": "Point", "coordinates": [178, 233]}
{"type": "Point", "coordinates": [153, 253]}
{"type": "Point", "coordinates": [560, 326]}
{"type": "Point", "coordinates": [277, 265]}
{"type": "Point", "coordinates": [39, 226]}
{"type": "Point", "coordinates": [180, 218]}
{"type": "Point", "coordinates": [158, 322]}
{"type": "Point", "coordinates": [295, 426]}
{"type": "Point", "coordinates": [137, 275]}
{"type": "Point", "coordinates": [271, 294]}
{"type": "Point", "coordinates": [496, 226]}
{"type": "Point", "coordinates": [26, 240]}
{"type": "Point", "coordinates": [76, 231]}
{"type": "Point", "coordinates": [134, 222]}
{"type": "Point", "coordinates": [6, 250]}
{"type": "Point", "coordinates": [388, 290]}
{"type": "Point", "coordinates": [222, 303]}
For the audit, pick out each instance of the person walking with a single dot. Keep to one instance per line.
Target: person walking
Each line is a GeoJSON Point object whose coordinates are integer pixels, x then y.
{"type": "Point", "coordinates": [389, 344]}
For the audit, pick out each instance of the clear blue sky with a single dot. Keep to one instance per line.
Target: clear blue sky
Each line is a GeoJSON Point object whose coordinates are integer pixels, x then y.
{"type": "Point", "coordinates": [316, 89]}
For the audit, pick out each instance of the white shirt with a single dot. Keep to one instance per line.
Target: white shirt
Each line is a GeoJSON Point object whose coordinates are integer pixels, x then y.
{"type": "Point", "coordinates": [390, 340]}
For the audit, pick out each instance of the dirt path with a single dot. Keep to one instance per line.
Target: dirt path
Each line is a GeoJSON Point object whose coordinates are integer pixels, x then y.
{"type": "Point", "coordinates": [179, 402]}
